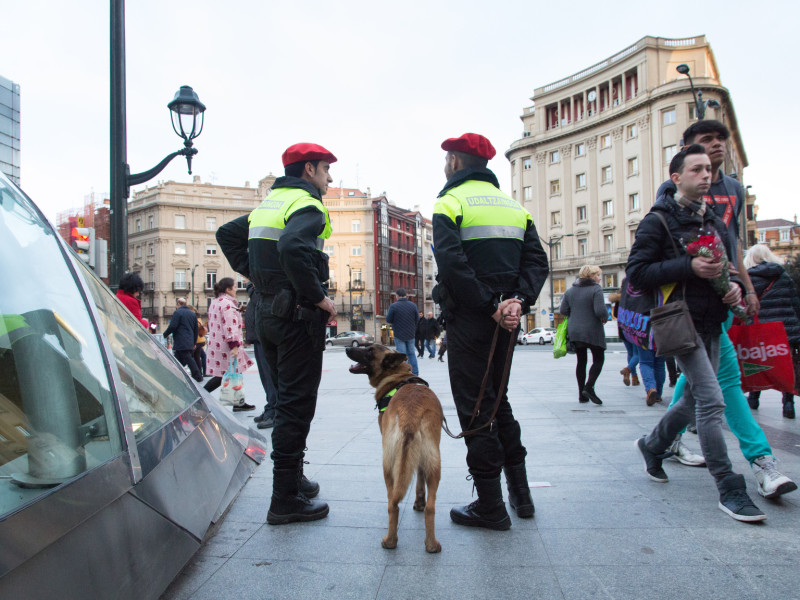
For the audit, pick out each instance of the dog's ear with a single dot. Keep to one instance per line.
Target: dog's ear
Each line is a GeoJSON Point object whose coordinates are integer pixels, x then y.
{"type": "Point", "coordinates": [392, 360]}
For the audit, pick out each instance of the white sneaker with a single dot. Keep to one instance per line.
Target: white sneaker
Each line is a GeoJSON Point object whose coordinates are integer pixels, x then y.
{"type": "Point", "coordinates": [771, 483]}
{"type": "Point", "coordinates": [683, 455]}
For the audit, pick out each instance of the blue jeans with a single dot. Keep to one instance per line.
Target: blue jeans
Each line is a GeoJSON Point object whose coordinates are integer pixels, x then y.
{"type": "Point", "coordinates": [407, 347]}
{"type": "Point", "coordinates": [633, 355]}
{"type": "Point", "coordinates": [431, 346]}
{"type": "Point", "coordinates": [752, 441]}
{"type": "Point", "coordinates": [654, 370]}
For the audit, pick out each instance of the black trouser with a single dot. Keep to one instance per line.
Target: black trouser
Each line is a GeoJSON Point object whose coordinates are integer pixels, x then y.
{"type": "Point", "coordinates": [672, 369]}
{"type": "Point", "coordinates": [419, 344]}
{"type": "Point", "coordinates": [469, 338]}
{"type": "Point", "coordinates": [200, 357]}
{"type": "Point", "coordinates": [293, 351]}
{"type": "Point", "coordinates": [213, 384]}
{"type": "Point", "coordinates": [266, 379]}
{"type": "Point", "coordinates": [186, 358]}
{"type": "Point", "coordinates": [598, 358]}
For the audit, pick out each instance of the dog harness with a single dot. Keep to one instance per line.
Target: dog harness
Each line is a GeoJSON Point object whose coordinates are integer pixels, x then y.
{"type": "Point", "coordinates": [383, 403]}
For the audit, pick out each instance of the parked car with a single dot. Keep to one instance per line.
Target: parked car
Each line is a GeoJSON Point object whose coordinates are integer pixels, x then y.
{"type": "Point", "coordinates": [538, 336]}
{"type": "Point", "coordinates": [350, 338]}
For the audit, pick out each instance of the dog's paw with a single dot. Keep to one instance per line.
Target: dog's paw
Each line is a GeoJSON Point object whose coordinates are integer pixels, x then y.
{"type": "Point", "coordinates": [434, 547]}
{"type": "Point", "coordinates": [390, 543]}
{"type": "Point", "coordinates": [419, 504]}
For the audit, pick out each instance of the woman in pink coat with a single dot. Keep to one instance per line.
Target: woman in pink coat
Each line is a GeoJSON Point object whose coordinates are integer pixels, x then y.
{"type": "Point", "coordinates": [224, 337]}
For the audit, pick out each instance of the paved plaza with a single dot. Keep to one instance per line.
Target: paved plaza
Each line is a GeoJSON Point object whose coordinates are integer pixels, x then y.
{"type": "Point", "coordinates": [602, 529]}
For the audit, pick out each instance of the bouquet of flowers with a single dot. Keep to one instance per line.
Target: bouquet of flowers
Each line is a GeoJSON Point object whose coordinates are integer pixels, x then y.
{"type": "Point", "coordinates": [709, 244]}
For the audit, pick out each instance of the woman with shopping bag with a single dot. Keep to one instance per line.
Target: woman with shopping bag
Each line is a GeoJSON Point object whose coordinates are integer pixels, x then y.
{"type": "Point", "coordinates": [224, 339]}
{"type": "Point", "coordinates": [779, 302]}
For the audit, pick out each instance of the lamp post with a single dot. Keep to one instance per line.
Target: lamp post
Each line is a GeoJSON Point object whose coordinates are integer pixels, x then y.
{"type": "Point", "coordinates": [350, 289]}
{"type": "Point", "coordinates": [187, 121]}
{"type": "Point", "coordinates": [550, 243]}
{"type": "Point", "coordinates": [191, 291]}
{"type": "Point", "coordinates": [699, 103]}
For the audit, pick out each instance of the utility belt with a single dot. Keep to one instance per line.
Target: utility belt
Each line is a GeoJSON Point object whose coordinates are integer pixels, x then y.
{"type": "Point", "coordinates": [285, 306]}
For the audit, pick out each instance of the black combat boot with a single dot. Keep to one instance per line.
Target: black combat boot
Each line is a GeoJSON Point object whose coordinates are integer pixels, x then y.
{"type": "Point", "coordinates": [310, 489]}
{"type": "Point", "coordinates": [488, 510]}
{"type": "Point", "coordinates": [288, 502]}
{"type": "Point", "coordinates": [519, 494]}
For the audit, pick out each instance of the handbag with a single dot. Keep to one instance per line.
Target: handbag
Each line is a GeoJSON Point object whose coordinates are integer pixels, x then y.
{"type": "Point", "coordinates": [560, 340]}
{"type": "Point", "coordinates": [633, 315]}
{"type": "Point", "coordinates": [232, 388]}
{"type": "Point", "coordinates": [764, 356]}
{"type": "Point", "coordinates": [672, 326]}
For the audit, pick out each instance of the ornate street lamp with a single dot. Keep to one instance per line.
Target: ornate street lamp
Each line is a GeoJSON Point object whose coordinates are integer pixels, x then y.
{"type": "Point", "coordinates": [550, 243]}
{"type": "Point", "coordinates": [699, 103]}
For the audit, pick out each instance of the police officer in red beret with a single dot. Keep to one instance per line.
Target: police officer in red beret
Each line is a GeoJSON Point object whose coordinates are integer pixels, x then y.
{"type": "Point", "coordinates": [491, 269]}
{"type": "Point", "coordinates": [279, 247]}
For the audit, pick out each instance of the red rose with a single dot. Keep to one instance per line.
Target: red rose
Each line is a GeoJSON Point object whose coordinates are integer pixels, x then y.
{"type": "Point", "coordinates": [693, 248]}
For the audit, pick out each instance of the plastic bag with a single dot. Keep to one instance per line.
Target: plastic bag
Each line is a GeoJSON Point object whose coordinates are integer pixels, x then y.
{"type": "Point", "coordinates": [764, 355]}
{"type": "Point", "coordinates": [232, 388]}
{"type": "Point", "coordinates": [560, 340]}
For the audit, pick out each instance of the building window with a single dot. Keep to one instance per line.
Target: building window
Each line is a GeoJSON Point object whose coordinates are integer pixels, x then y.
{"type": "Point", "coordinates": [669, 116]}
{"type": "Point", "coordinates": [633, 236]}
{"type": "Point", "coordinates": [355, 251]}
{"type": "Point", "coordinates": [527, 193]}
{"type": "Point", "coordinates": [329, 250]}
{"type": "Point", "coordinates": [610, 281]}
{"type": "Point", "coordinates": [605, 174]}
{"type": "Point", "coordinates": [632, 130]}
{"type": "Point", "coordinates": [785, 235]}
{"type": "Point", "coordinates": [580, 149]}
{"type": "Point", "coordinates": [605, 141]}
{"type": "Point", "coordinates": [241, 283]}
{"type": "Point", "coordinates": [608, 208]}
{"type": "Point", "coordinates": [554, 156]}
{"type": "Point", "coordinates": [138, 252]}
{"type": "Point", "coordinates": [556, 251]}
{"type": "Point", "coordinates": [138, 224]}
{"type": "Point", "coordinates": [583, 247]}
{"type": "Point", "coordinates": [555, 218]}
{"type": "Point", "coordinates": [180, 247]}
{"type": "Point", "coordinates": [692, 112]}
{"type": "Point", "coordinates": [211, 279]}
{"type": "Point", "coordinates": [526, 164]}
{"type": "Point", "coordinates": [608, 242]}
{"type": "Point", "coordinates": [152, 277]}
{"type": "Point", "coordinates": [581, 213]}
{"type": "Point", "coordinates": [669, 152]}
{"type": "Point", "coordinates": [555, 187]}
{"type": "Point", "coordinates": [580, 181]}
{"type": "Point", "coordinates": [211, 249]}
{"type": "Point", "coordinates": [633, 201]}
{"type": "Point", "coordinates": [559, 285]}
{"type": "Point", "coordinates": [762, 237]}
{"type": "Point", "coordinates": [180, 280]}
{"type": "Point", "coordinates": [180, 221]}
{"type": "Point", "coordinates": [633, 166]}
{"type": "Point", "coordinates": [151, 250]}
{"type": "Point", "coordinates": [355, 226]}
{"type": "Point", "coordinates": [151, 222]}
{"type": "Point", "coordinates": [211, 223]}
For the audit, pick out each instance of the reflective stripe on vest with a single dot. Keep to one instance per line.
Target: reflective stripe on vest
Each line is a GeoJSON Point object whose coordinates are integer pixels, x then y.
{"type": "Point", "coordinates": [269, 219]}
{"type": "Point", "coordinates": [485, 211]}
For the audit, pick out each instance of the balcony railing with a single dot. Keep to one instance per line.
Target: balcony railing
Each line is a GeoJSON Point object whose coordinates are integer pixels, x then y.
{"type": "Point", "coordinates": [355, 286]}
{"type": "Point", "coordinates": [331, 286]}
{"type": "Point", "coordinates": [180, 286]}
{"type": "Point", "coordinates": [148, 312]}
{"type": "Point", "coordinates": [619, 257]}
{"type": "Point", "coordinates": [149, 287]}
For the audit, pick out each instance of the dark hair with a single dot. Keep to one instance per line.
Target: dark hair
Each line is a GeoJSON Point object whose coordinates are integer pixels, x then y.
{"type": "Point", "coordinates": [701, 127]}
{"type": "Point", "coordinates": [296, 169]}
{"type": "Point", "coordinates": [131, 283]}
{"type": "Point", "coordinates": [676, 164]}
{"type": "Point", "coordinates": [401, 292]}
{"type": "Point", "coordinates": [470, 161]}
{"type": "Point", "coordinates": [223, 285]}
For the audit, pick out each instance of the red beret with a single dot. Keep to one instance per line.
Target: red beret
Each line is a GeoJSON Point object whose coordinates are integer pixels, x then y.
{"type": "Point", "coordinates": [470, 143]}
{"type": "Point", "coordinates": [304, 152]}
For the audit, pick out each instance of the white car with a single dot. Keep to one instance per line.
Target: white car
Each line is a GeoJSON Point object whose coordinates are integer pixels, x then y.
{"type": "Point", "coordinates": [537, 336]}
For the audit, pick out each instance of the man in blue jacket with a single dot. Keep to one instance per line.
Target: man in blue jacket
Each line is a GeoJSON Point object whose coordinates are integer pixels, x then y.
{"type": "Point", "coordinates": [403, 317]}
{"type": "Point", "coordinates": [183, 328]}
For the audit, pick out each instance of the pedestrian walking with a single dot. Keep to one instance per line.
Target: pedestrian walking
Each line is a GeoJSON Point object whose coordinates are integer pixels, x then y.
{"type": "Point", "coordinates": [130, 293]}
{"type": "Point", "coordinates": [629, 376]}
{"type": "Point", "coordinates": [279, 248]}
{"type": "Point", "coordinates": [491, 269]}
{"type": "Point", "coordinates": [266, 419]}
{"type": "Point", "coordinates": [183, 329]}
{"type": "Point", "coordinates": [403, 316]}
{"type": "Point", "coordinates": [779, 301]}
{"type": "Point", "coordinates": [225, 337]}
{"type": "Point", "coordinates": [432, 332]}
{"type": "Point", "coordinates": [199, 354]}
{"type": "Point", "coordinates": [443, 347]}
{"type": "Point", "coordinates": [653, 263]}
{"type": "Point", "coordinates": [419, 336]}
{"type": "Point", "coordinates": [585, 307]}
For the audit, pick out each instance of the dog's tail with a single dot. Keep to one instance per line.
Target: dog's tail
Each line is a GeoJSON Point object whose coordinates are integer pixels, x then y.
{"type": "Point", "coordinates": [401, 458]}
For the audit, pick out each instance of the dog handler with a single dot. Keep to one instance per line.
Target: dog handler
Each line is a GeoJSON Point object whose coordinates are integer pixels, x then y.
{"type": "Point", "coordinates": [282, 255]}
{"type": "Point", "coordinates": [491, 269]}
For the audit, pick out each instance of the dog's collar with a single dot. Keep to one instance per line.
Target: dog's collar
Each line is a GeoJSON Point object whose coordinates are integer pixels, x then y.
{"type": "Point", "coordinates": [383, 403]}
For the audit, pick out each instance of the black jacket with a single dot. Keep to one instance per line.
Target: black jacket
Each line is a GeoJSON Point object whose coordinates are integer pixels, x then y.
{"type": "Point", "coordinates": [781, 302]}
{"type": "Point", "coordinates": [652, 261]}
{"type": "Point", "coordinates": [183, 329]}
{"type": "Point", "coordinates": [476, 272]}
{"type": "Point", "coordinates": [403, 316]}
{"type": "Point", "coordinates": [291, 262]}
{"type": "Point", "coordinates": [431, 329]}
{"type": "Point", "coordinates": [251, 335]}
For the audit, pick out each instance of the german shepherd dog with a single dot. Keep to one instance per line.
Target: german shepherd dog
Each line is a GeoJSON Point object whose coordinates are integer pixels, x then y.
{"type": "Point", "coordinates": [411, 427]}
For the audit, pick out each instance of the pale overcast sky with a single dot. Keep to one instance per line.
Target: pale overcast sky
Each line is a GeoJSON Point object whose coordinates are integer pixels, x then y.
{"type": "Point", "coordinates": [379, 84]}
